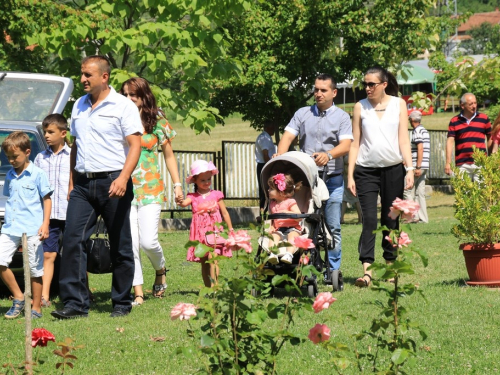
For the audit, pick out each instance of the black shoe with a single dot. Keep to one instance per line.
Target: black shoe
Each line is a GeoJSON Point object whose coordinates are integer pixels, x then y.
{"type": "Point", "coordinates": [68, 313]}
{"type": "Point", "coordinates": [119, 311]}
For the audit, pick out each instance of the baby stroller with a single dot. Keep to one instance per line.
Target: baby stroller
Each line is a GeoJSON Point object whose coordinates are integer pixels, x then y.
{"type": "Point", "coordinates": [310, 200]}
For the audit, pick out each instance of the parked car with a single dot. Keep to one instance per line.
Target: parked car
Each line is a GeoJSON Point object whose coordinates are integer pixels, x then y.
{"type": "Point", "coordinates": [25, 100]}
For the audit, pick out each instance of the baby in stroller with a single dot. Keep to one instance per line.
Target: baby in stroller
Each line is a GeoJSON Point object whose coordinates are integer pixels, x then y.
{"type": "Point", "coordinates": [281, 191]}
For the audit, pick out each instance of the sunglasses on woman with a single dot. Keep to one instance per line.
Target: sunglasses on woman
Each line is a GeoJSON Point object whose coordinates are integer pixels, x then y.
{"type": "Point", "coordinates": [370, 84]}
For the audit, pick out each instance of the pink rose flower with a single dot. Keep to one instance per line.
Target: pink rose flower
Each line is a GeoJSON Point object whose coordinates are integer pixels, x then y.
{"type": "Point", "coordinates": [403, 239]}
{"type": "Point", "coordinates": [303, 243]}
{"type": "Point", "coordinates": [183, 311]}
{"type": "Point", "coordinates": [406, 208]}
{"type": "Point", "coordinates": [319, 333]}
{"type": "Point", "coordinates": [239, 240]}
{"type": "Point", "coordinates": [323, 301]}
{"type": "Point", "coordinates": [304, 259]}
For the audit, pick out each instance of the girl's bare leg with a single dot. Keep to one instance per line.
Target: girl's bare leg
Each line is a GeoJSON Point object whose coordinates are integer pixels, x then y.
{"type": "Point", "coordinates": [291, 238]}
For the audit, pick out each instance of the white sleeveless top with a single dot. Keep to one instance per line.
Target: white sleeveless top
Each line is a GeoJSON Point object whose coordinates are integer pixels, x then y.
{"type": "Point", "coordinates": [379, 144]}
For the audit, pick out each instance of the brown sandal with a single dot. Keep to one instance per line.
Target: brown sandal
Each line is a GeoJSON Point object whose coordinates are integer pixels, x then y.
{"type": "Point", "coordinates": [159, 289]}
{"type": "Point", "coordinates": [362, 283]}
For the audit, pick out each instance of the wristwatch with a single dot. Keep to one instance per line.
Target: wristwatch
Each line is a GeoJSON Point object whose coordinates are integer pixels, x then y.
{"type": "Point", "coordinates": [330, 157]}
{"type": "Point", "coordinates": [418, 167]}
{"type": "Point", "coordinates": [177, 184]}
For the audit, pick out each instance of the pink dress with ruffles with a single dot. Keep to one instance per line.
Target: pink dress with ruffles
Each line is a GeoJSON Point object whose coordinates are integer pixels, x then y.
{"type": "Point", "coordinates": [204, 222]}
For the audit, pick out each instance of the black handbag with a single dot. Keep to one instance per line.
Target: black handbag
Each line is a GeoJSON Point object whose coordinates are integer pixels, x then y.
{"type": "Point", "coordinates": [98, 251]}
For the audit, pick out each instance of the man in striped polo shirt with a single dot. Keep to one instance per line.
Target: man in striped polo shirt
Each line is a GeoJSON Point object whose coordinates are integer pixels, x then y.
{"type": "Point", "coordinates": [469, 128]}
{"type": "Point", "coordinates": [420, 151]}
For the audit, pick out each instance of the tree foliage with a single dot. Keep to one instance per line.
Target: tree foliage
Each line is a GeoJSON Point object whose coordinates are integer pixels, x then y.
{"type": "Point", "coordinates": [465, 75]}
{"type": "Point", "coordinates": [485, 39]}
{"type": "Point", "coordinates": [286, 43]}
{"type": "Point", "coordinates": [177, 45]}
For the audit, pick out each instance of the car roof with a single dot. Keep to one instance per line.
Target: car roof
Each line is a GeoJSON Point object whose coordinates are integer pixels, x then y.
{"type": "Point", "coordinates": [22, 92]}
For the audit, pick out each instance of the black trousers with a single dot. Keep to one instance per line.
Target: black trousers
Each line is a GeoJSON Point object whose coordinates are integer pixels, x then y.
{"type": "Point", "coordinates": [370, 182]}
{"type": "Point", "coordinates": [262, 197]}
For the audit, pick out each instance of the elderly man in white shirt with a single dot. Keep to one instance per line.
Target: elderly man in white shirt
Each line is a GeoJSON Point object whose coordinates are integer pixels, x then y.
{"type": "Point", "coordinates": [107, 127]}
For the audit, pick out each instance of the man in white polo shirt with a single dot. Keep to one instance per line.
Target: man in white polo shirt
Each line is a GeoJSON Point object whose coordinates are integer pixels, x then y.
{"type": "Point", "coordinates": [107, 128]}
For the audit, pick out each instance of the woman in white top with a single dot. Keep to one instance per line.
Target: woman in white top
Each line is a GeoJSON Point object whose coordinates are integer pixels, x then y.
{"type": "Point", "coordinates": [381, 144]}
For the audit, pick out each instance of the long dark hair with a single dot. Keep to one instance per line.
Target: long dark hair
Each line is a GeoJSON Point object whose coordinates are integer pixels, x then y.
{"type": "Point", "coordinates": [385, 76]}
{"type": "Point", "coordinates": [149, 109]}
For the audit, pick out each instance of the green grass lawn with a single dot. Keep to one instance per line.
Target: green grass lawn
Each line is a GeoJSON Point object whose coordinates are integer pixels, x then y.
{"type": "Point", "coordinates": [462, 321]}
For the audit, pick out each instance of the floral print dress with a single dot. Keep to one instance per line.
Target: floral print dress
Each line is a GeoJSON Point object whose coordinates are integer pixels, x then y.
{"type": "Point", "coordinates": [146, 178]}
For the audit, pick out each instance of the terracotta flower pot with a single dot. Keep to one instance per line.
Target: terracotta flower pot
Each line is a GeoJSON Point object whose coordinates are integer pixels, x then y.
{"type": "Point", "coordinates": [483, 264]}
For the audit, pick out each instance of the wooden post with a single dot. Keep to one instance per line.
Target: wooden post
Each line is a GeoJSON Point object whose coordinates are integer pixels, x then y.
{"type": "Point", "coordinates": [27, 306]}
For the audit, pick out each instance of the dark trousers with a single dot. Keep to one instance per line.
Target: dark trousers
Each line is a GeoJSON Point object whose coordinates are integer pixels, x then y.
{"type": "Point", "coordinates": [262, 196]}
{"type": "Point", "coordinates": [89, 199]}
{"type": "Point", "coordinates": [370, 182]}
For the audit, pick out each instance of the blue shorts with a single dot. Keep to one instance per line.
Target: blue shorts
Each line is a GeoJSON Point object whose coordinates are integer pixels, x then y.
{"type": "Point", "coordinates": [51, 244]}
{"type": "Point", "coordinates": [285, 231]}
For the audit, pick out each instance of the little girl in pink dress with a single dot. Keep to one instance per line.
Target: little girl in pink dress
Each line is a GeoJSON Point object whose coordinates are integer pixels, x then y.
{"type": "Point", "coordinates": [208, 209]}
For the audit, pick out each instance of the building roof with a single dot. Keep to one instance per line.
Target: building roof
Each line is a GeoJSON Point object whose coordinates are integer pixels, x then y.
{"type": "Point", "coordinates": [478, 18]}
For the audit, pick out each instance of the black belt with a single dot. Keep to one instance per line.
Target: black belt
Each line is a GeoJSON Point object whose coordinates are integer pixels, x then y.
{"type": "Point", "coordinates": [92, 175]}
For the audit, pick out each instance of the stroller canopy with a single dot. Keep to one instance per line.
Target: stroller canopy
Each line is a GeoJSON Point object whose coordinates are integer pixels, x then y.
{"type": "Point", "coordinates": [301, 167]}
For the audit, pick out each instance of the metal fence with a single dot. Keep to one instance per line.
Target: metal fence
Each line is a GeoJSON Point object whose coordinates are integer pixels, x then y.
{"type": "Point", "coordinates": [238, 175]}
{"type": "Point", "coordinates": [240, 170]}
{"type": "Point", "coordinates": [438, 155]}
{"type": "Point", "coordinates": [184, 161]}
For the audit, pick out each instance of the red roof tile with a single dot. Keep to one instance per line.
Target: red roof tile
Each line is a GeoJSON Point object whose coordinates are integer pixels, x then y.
{"type": "Point", "coordinates": [478, 18]}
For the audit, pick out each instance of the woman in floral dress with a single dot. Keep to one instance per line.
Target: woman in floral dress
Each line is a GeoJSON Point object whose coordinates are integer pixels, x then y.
{"type": "Point", "coordinates": [149, 189]}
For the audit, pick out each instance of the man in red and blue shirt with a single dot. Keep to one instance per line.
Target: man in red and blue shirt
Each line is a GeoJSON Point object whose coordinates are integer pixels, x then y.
{"type": "Point", "coordinates": [466, 130]}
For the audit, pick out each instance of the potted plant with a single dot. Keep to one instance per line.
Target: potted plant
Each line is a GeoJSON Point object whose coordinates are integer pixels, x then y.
{"type": "Point", "coordinates": [477, 208]}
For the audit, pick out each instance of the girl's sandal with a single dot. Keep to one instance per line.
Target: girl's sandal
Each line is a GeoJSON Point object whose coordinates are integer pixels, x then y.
{"type": "Point", "coordinates": [137, 303]}
{"type": "Point", "coordinates": [159, 289]}
{"type": "Point", "coordinates": [362, 283]}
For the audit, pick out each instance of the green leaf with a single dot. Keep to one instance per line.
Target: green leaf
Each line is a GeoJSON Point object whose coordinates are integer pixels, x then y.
{"type": "Point", "coordinates": [201, 250]}
{"type": "Point", "coordinates": [207, 341]}
{"type": "Point", "coordinates": [399, 356]}
{"type": "Point", "coordinates": [255, 317]}
{"type": "Point", "coordinates": [107, 7]}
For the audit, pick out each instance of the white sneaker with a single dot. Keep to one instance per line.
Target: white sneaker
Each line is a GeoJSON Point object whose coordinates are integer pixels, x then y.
{"type": "Point", "coordinates": [287, 258]}
{"type": "Point", "coordinates": [281, 250]}
{"type": "Point", "coordinates": [273, 259]}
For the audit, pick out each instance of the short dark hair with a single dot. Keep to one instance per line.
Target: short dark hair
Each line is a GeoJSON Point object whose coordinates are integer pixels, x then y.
{"type": "Point", "coordinates": [55, 119]}
{"type": "Point", "coordinates": [326, 77]}
{"type": "Point", "coordinates": [18, 140]}
{"type": "Point", "coordinates": [101, 61]}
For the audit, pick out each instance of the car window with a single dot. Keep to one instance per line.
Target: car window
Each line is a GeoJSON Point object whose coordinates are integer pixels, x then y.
{"type": "Point", "coordinates": [28, 99]}
{"type": "Point", "coordinates": [35, 149]}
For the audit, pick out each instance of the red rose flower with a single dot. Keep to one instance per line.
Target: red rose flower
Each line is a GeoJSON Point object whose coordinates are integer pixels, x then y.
{"type": "Point", "coordinates": [40, 336]}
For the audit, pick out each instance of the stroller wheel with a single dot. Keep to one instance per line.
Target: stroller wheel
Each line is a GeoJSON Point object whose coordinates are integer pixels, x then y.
{"type": "Point", "coordinates": [337, 280]}
{"type": "Point", "coordinates": [311, 292]}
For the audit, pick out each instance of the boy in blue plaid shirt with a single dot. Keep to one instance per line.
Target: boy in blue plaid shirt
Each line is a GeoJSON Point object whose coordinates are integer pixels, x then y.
{"type": "Point", "coordinates": [27, 211]}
